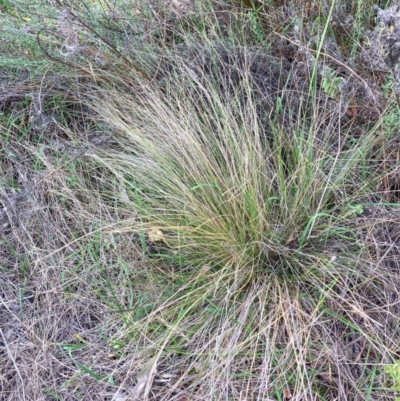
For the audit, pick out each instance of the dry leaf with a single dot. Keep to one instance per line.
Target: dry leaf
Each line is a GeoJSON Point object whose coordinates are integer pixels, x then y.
{"type": "Point", "coordinates": [205, 269]}
{"type": "Point", "coordinates": [287, 395]}
{"type": "Point", "coordinates": [120, 396]}
{"type": "Point", "coordinates": [144, 381]}
{"type": "Point", "coordinates": [156, 235]}
{"type": "Point", "coordinates": [290, 239]}
{"type": "Point", "coordinates": [122, 192]}
{"type": "Point", "coordinates": [166, 377]}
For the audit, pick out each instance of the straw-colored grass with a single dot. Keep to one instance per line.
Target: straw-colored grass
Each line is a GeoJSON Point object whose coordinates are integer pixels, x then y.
{"type": "Point", "coordinates": [199, 201]}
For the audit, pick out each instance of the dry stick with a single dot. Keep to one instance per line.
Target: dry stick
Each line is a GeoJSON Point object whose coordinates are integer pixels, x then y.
{"type": "Point", "coordinates": [11, 356]}
{"type": "Point", "coordinates": [110, 45]}
{"type": "Point", "coordinates": [55, 59]}
{"type": "Point", "coordinates": [163, 50]}
{"type": "Point", "coordinates": [386, 178]}
{"type": "Point", "coordinates": [88, 72]}
{"type": "Point", "coordinates": [5, 10]}
{"type": "Point", "coordinates": [329, 56]}
{"type": "Point", "coordinates": [393, 71]}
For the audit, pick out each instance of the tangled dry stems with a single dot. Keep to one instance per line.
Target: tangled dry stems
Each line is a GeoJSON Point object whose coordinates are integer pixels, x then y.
{"type": "Point", "coordinates": [243, 298]}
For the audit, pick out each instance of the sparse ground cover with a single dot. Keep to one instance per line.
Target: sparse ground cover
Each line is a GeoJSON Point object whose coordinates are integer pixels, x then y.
{"type": "Point", "coordinates": [199, 200]}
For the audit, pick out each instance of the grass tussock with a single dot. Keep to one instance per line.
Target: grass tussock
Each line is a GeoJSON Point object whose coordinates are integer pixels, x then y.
{"type": "Point", "coordinates": [258, 228]}
{"type": "Point", "coordinates": [199, 201]}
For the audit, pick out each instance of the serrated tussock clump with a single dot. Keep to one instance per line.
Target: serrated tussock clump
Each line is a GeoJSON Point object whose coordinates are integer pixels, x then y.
{"type": "Point", "coordinates": [252, 186]}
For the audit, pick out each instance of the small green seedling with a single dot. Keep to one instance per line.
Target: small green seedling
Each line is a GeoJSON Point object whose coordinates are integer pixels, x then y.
{"type": "Point", "coordinates": [331, 83]}
{"type": "Point", "coordinates": [394, 372]}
